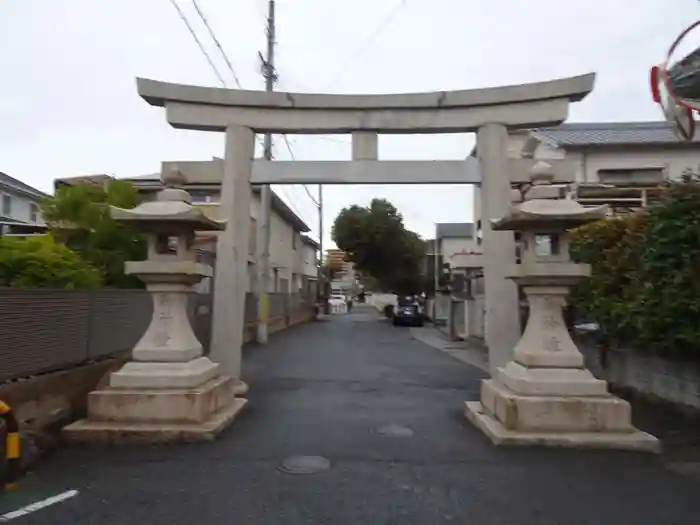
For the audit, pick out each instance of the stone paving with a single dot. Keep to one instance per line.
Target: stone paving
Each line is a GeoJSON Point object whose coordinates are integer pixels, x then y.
{"type": "Point", "coordinates": [386, 411]}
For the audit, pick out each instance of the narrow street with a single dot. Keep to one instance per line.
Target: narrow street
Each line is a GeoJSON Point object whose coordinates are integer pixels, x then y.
{"type": "Point", "coordinates": [386, 411]}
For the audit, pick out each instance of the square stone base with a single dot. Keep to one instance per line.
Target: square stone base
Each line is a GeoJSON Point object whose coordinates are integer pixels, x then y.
{"type": "Point", "coordinates": [499, 435]}
{"type": "Point", "coordinates": [120, 416]}
{"type": "Point", "coordinates": [555, 413]}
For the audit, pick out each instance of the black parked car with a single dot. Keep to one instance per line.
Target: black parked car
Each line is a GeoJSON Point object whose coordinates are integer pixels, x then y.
{"type": "Point", "coordinates": [407, 312]}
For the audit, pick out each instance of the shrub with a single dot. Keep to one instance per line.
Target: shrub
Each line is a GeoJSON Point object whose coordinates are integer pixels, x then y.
{"type": "Point", "coordinates": [645, 283]}
{"type": "Point", "coordinates": [41, 262]}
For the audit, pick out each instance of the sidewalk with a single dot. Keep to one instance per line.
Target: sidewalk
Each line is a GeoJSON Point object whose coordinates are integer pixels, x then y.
{"type": "Point", "coordinates": [472, 352]}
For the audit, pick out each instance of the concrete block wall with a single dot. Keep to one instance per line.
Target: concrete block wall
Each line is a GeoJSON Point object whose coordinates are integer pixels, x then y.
{"type": "Point", "coordinates": [670, 380]}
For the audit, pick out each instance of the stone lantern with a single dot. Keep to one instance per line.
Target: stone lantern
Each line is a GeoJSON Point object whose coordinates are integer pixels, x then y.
{"type": "Point", "coordinates": [545, 395]}
{"type": "Point", "coordinates": [169, 390]}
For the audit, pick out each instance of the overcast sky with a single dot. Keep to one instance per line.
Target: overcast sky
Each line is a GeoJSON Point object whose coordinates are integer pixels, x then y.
{"type": "Point", "coordinates": [68, 102]}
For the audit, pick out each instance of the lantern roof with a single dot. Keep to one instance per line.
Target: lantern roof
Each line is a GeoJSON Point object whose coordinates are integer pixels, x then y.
{"type": "Point", "coordinates": [172, 205]}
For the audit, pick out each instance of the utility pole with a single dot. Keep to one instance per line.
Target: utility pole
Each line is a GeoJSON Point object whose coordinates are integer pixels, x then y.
{"type": "Point", "coordinates": [321, 288]}
{"type": "Point", "coordinates": [263, 272]}
{"type": "Point", "coordinates": [436, 271]}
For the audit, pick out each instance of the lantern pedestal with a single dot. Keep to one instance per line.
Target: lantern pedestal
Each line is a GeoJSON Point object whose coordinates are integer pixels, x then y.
{"type": "Point", "coordinates": [148, 416]}
{"type": "Point", "coordinates": [546, 396]}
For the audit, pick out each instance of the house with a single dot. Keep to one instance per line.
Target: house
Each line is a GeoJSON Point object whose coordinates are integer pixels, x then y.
{"type": "Point", "coordinates": [289, 249]}
{"type": "Point", "coordinates": [345, 280]}
{"type": "Point", "coordinates": [456, 242]}
{"type": "Point", "coordinates": [616, 163]}
{"type": "Point", "coordinates": [308, 267]}
{"type": "Point", "coordinates": [336, 258]}
{"type": "Point", "coordinates": [19, 207]}
{"type": "Point", "coordinates": [456, 245]}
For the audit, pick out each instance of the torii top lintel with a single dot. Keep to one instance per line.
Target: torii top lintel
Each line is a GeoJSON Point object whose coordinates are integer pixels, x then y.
{"type": "Point", "coordinates": [518, 106]}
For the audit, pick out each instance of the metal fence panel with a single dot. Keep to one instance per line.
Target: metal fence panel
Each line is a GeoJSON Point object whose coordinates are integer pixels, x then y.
{"type": "Point", "coordinates": [118, 319]}
{"type": "Point", "coordinates": [47, 330]}
{"type": "Point", "coordinates": [42, 331]}
{"type": "Point", "coordinates": [278, 305]}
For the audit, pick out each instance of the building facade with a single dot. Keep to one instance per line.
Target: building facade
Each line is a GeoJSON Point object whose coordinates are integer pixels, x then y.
{"type": "Point", "coordinates": [617, 163]}
{"type": "Point", "coordinates": [19, 206]}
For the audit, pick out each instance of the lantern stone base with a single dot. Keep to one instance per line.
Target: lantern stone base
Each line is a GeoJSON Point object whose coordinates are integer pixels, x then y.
{"type": "Point", "coordinates": [601, 421]}
{"type": "Point", "coordinates": [241, 388]}
{"type": "Point", "coordinates": [147, 416]}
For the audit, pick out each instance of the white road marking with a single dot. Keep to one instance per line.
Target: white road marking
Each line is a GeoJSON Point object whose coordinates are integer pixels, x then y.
{"type": "Point", "coordinates": [38, 505]}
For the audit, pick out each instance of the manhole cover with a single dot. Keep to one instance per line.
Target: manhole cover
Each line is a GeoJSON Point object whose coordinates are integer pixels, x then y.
{"type": "Point", "coordinates": [304, 465]}
{"type": "Point", "coordinates": [394, 431]}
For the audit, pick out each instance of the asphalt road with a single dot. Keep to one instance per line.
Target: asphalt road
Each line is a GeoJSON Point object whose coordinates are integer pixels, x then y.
{"type": "Point", "coordinates": [324, 389]}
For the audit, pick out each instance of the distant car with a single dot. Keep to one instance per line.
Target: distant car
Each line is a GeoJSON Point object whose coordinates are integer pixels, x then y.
{"type": "Point", "coordinates": [407, 312]}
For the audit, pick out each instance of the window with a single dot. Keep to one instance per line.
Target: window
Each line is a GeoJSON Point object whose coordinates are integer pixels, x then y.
{"type": "Point", "coordinates": [7, 205]}
{"type": "Point", "coordinates": [33, 213]}
{"type": "Point", "coordinates": [295, 240]}
{"type": "Point", "coordinates": [624, 177]}
{"type": "Point", "coordinates": [205, 196]}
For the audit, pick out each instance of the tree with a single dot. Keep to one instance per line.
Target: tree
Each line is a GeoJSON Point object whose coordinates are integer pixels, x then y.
{"type": "Point", "coordinates": [79, 217]}
{"type": "Point", "coordinates": [41, 262]}
{"type": "Point", "coordinates": [377, 242]}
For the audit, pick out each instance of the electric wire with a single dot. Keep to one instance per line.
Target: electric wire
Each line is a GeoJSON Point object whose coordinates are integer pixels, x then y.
{"type": "Point", "coordinates": [217, 43]}
{"type": "Point", "coordinates": [291, 153]}
{"type": "Point", "coordinates": [368, 41]}
{"type": "Point", "coordinates": [199, 42]}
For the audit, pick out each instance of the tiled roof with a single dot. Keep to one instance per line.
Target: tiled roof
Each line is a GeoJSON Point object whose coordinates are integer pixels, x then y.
{"type": "Point", "coordinates": [311, 242]}
{"type": "Point", "coordinates": [12, 183]}
{"type": "Point", "coordinates": [609, 134]}
{"type": "Point", "coordinates": [455, 230]}
{"type": "Point", "coordinates": [153, 182]}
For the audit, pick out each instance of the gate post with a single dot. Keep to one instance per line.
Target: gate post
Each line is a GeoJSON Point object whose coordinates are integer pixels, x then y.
{"type": "Point", "coordinates": [232, 253]}
{"type": "Point", "coordinates": [501, 294]}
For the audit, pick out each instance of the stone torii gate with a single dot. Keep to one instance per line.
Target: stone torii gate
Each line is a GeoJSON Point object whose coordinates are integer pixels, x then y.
{"type": "Point", "coordinates": [489, 112]}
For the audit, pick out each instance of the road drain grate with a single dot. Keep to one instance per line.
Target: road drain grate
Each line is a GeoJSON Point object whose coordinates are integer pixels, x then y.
{"type": "Point", "coordinates": [299, 465]}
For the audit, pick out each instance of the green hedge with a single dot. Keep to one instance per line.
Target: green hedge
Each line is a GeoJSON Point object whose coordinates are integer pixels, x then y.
{"type": "Point", "coordinates": [645, 284]}
{"type": "Point", "coordinates": [41, 262]}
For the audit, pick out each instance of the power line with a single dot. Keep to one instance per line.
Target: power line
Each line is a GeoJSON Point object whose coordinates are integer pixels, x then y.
{"type": "Point", "coordinates": [313, 199]}
{"type": "Point", "coordinates": [368, 41]}
{"type": "Point", "coordinates": [291, 153]}
{"type": "Point", "coordinates": [289, 147]}
{"type": "Point", "coordinates": [290, 202]}
{"type": "Point", "coordinates": [199, 43]}
{"type": "Point", "coordinates": [216, 41]}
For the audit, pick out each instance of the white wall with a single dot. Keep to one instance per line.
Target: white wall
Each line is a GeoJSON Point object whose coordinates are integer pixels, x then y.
{"type": "Point", "coordinates": [20, 207]}
{"type": "Point", "coordinates": [282, 255]}
{"type": "Point", "coordinates": [589, 163]}
{"type": "Point", "coordinates": [309, 257]}
{"type": "Point", "coordinates": [675, 160]}
{"type": "Point", "coordinates": [452, 248]}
